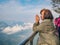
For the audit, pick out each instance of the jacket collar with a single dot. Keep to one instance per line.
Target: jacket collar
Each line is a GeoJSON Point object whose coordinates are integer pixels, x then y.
{"type": "Point", "coordinates": [46, 20]}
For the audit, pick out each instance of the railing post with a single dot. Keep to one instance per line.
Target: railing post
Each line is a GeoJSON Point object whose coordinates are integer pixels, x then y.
{"type": "Point", "coordinates": [29, 39]}
{"type": "Point", "coordinates": [31, 42]}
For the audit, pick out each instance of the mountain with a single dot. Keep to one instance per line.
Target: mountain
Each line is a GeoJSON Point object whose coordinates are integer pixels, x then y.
{"type": "Point", "coordinates": [3, 25]}
{"type": "Point", "coordinates": [13, 23]}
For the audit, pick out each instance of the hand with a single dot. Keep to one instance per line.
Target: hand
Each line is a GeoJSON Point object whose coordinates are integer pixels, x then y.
{"type": "Point", "coordinates": [37, 18]}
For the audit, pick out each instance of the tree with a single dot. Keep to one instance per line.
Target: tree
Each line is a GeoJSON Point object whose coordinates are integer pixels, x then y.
{"type": "Point", "coordinates": [56, 5]}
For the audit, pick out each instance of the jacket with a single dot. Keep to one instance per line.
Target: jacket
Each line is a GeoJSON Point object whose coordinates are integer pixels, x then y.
{"type": "Point", "coordinates": [46, 33]}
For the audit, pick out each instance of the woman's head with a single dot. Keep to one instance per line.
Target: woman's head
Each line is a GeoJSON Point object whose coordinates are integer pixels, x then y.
{"type": "Point", "coordinates": [46, 14]}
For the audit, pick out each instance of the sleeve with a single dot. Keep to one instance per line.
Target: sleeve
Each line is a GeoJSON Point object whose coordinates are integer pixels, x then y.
{"type": "Point", "coordinates": [37, 27]}
{"type": "Point", "coordinates": [54, 22]}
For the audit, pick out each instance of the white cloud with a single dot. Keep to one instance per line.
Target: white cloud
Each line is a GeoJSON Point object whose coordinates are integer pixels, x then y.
{"type": "Point", "coordinates": [48, 0]}
{"type": "Point", "coordinates": [16, 11]}
{"type": "Point", "coordinates": [17, 28]}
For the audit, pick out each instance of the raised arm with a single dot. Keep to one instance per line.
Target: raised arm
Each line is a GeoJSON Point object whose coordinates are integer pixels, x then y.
{"type": "Point", "coordinates": [37, 26]}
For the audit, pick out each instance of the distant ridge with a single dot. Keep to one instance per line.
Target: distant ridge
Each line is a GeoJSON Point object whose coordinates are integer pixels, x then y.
{"type": "Point", "coordinates": [3, 25]}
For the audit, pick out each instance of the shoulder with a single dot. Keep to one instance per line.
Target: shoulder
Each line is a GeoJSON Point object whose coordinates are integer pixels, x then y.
{"type": "Point", "coordinates": [59, 18]}
{"type": "Point", "coordinates": [36, 24]}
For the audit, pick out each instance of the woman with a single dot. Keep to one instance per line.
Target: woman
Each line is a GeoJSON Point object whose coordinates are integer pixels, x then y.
{"type": "Point", "coordinates": [58, 24]}
{"type": "Point", "coordinates": [46, 29]}
{"type": "Point", "coordinates": [55, 22]}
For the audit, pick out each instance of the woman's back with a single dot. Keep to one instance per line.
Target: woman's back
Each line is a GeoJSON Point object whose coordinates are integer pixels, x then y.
{"type": "Point", "coordinates": [46, 29]}
{"type": "Point", "coordinates": [46, 33]}
{"type": "Point", "coordinates": [47, 26]}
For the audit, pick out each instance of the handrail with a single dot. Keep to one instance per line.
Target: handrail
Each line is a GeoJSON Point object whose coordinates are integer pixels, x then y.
{"type": "Point", "coordinates": [29, 39]}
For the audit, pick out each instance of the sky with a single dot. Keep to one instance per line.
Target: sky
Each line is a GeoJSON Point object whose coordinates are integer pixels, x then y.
{"type": "Point", "coordinates": [23, 10]}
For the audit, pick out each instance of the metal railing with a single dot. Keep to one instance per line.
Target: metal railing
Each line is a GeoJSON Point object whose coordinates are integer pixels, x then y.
{"type": "Point", "coordinates": [29, 40]}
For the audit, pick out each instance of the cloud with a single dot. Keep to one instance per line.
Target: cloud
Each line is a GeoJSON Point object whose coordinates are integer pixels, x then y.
{"type": "Point", "coordinates": [48, 0]}
{"type": "Point", "coordinates": [17, 28]}
{"type": "Point", "coordinates": [14, 10]}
